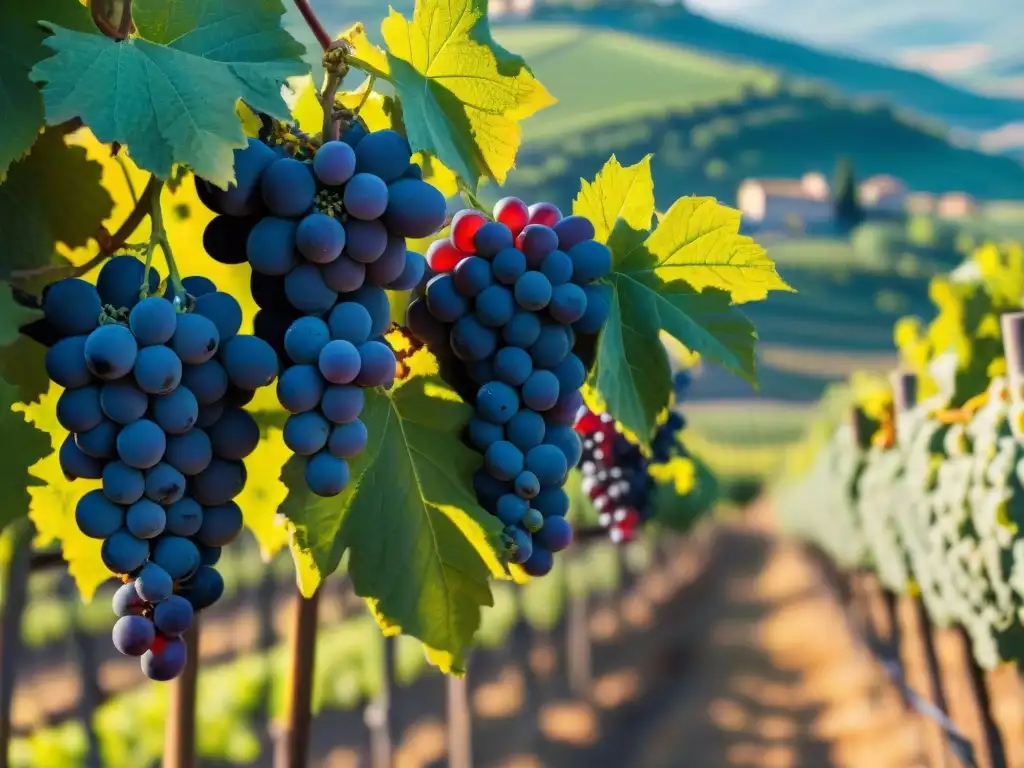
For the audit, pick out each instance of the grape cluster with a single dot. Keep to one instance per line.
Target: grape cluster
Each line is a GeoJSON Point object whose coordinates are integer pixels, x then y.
{"type": "Point", "coordinates": [154, 397]}
{"type": "Point", "coordinates": [615, 471]}
{"type": "Point", "coordinates": [325, 235]}
{"type": "Point", "coordinates": [507, 298]}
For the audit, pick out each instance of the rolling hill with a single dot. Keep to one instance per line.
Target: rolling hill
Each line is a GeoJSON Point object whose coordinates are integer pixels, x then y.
{"type": "Point", "coordinates": [672, 25]}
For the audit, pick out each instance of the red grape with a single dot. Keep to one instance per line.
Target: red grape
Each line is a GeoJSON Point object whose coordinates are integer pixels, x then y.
{"type": "Point", "coordinates": [442, 256]}
{"type": "Point", "coordinates": [544, 213]}
{"type": "Point", "coordinates": [464, 227]}
{"type": "Point", "coordinates": [513, 213]}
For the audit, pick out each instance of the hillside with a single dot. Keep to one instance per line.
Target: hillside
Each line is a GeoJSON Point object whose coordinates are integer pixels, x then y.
{"type": "Point", "coordinates": [928, 96]}
{"type": "Point", "coordinates": [958, 107]}
{"type": "Point", "coordinates": [975, 43]}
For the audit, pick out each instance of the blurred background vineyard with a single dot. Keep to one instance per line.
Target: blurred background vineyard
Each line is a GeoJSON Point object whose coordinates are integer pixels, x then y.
{"type": "Point", "coordinates": [872, 148]}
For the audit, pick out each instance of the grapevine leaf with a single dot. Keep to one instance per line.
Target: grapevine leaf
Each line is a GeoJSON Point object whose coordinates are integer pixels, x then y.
{"type": "Point", "coordinates": [685, 489]}
{"type": "Point", "coordinates": [21, 40]}
{"type": "Point", "coordinates": [171, 97]}
{"type": "Point", "coordinates": [365, 55]}
{"type": "Point", "coordinates": [462, 95]}
{"type": "Point", "coordinates": [264, 493]}
{"type": "Point", "coordinates": [26, 445]}
{"type": "Point", "coordinates": [681, 279]}
{"type": "Point", "coordinates": [53, 195]}
{"type": "Point", "coordinates": [12, 317]}
{"type": "Point", "coordinates": [618, 193]}
{"type": "Point", "coordinates": [698, 241]}
{"type": "Point", "coordinates": [420, 547]}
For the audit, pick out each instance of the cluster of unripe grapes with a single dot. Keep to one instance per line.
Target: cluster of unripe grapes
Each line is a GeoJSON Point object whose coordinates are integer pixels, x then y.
{"type": "Point", "coordinates": [154, 394]}
{"type": "Point", "coordinates": [507, 298]}
{"type": "Point", "coordinates": [325, 234]}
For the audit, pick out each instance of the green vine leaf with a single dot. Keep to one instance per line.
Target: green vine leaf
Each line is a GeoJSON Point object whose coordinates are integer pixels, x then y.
{"type": "Point", "coordinates": [13, 316]}
{"type": "Point", "coordinates": [420, 548]}
{"type": "Point", "coordinates": [54, 195]}
{"type": "Point", "coordinates": [21, 40]}
{"type": "Point", "coordinates": [681, 279]}
{"type": "Point", "coordinates": [26, 446]}
{"type": "Point", "coordinates": [171, 98]}
{"type": "Point", "coordinates": [462, 94]}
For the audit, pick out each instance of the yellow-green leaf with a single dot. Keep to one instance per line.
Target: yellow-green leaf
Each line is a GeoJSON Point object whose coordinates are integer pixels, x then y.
{"type": "Point", "coordinates": [617, 194]}
{"type": "Point", "coordinates": [698, 241]}
{"type": "Point", "coordinates": [462, 94]}
{"type": "Point", "coordinates": [421, 549]}
{"type": "Point", "coordinates": [681, 280]}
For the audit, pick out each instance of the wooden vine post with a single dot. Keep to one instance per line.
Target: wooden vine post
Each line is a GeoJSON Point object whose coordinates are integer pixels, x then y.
{"type": "Point", "coordinates": [292, 747]}
{"type": "Point", "coordinates": [379, 714]}
{"type": "Point", "coordinates": [180, 730]}
{"type": "Point", "coordinates": [917, 652]}
{"type": "Point", "coordinates": [15, 588]}
{"type": "Point", "coordinates": [460, 722]}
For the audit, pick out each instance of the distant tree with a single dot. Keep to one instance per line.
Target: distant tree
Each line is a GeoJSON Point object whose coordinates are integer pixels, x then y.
{"type": "Point", "coordinates": [848, 213]}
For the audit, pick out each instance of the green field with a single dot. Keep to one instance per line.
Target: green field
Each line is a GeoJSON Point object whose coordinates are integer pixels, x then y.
{"type": "Point", "coordinates": [602, 76]}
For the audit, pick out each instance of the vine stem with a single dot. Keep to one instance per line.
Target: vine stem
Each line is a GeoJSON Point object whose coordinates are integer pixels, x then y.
{"type": "Point", "coordinates": [314, 24]}
{"type": "Point", "coordinates": [471, 197]}
{"type": "Point", "coordinates": [336, 65]}
{"type": "Point", "coordinates": [159, 237]}
{"type": "Point", "coordinates": [366, 95]}
{"type": "Point", "coordinates": [109, 244]}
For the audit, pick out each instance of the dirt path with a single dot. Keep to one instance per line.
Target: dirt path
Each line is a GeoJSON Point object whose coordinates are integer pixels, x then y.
{"type": "Point", "coordinates": [750, 663]}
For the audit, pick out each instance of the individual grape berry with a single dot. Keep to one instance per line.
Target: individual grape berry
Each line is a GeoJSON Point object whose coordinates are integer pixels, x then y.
{"type": "Point", "coordinates": [100, 442]}
{"type": "Point", "coordinates": [168, 663]}
{"type": "Point", "coordinates": [235, 435]}
{"type": "Point", "coordinates": [366, 196]}
{"type": "Point", "coordinates": [526, 429]}
{"type": "Point", "coordinates": [540, 562]}
{"type": "Point", "coordinates": [366, 240]}
{"type": "Point", "coordinates": [288, 187]}
{"type": "Point", "coordinates": [537, 242]}
{"type": "Point", "coordinates": [540, 391]}
{"type": "Point", "coordinates": [533, 291]}
{"type": "Point", "coordinates": [73, 306]}
{"type": "Point", "coordinates": [334, 163]}
{"type": "Point", "coordinates": [376, 365]}
{"type": "Point", "coordinates": [482, 434]}
{"type": "Point", "coordinates": [225, 238]}
{"type": "Point", "coordinates": [503, 460]}
{"type": "Point", "coordinates": [270, 247]}
{"type": "Point", "coordinates": [590, 260]}
{"type": "Point", "coordinates": [384, 154]}
{"type": "Point", "coordinates": [203, 588]}
{"type": "Point", "coordinates": [65, 363]}
{"type": "Point", "coordinates": [120, 279]}
{"type": "Point", "coordinates": [350, 322]}
{"type": "Point", "coordinates": [307, 290]}
{"type": "Point", "coordinates": [184, 517]}
{"type": "Point", "coordinates": [342, 403]}
{"type": "Point", "coordinates": [326, 475]}
{"type": "Point", "coordinates": [176, 412]}
{"type": "Point", "coordinates": [339, 362]}
{"type": "Point", "coordinates": [305, 338]}
{"type": "Point", "coordinates": [219, 483]}
{"type": "Point", "coordinates": [79, 410]}
{"type": "Point", "coordinates": [126, 601]}
{"type": "Point", "coordinates": [533, 521]}
{"type": "Point", "coordinates": [110, 352]}
{"type": "Point", "coordinates": [513, 213]}
{"type": "Point", "coordinates": [223, 310]}
{"type": "Point", "coordinates": [497, 402]}
{"type": "Point", "coordinates": [221, 525]}
{"type": "Point", "coordinates": [412, 273]}
{"type": "Point", "coordinates": [173, 616]}
{"type": "Point", "coordinates": [133, 635]}
{"type": "Point", "coordinates": [348, 440]}
{"type": "Point", "coordinates": [471, 340]}
{"type": "Point", "coordinates": [544, 214]}
{"type": "Point", "coordinates": [176, 555]}
{"type": "Point", "coordinates": [250, 362]}
{"type": "Point", "coordinates": [152, 321]}
{"type": "Point", "coordinates": [523, 329]}
{"type": "Point", "coordinates": [513, 366]}
{"type": "Point", "coordinates": [300, 388]}
{"type": "Point", "coordinates": [415, 209]}
{"type": "Point", "coordinates": [124, 553]}
{"type": "Point", "coordinates": [573, 230]}
{"type": "Point", "coordinates": [472, 275]}
{"type": "Point", "coordinates": [495, 306]}
{"type": "Point", "coordinates": [443, 256]}
{"type": "Point", "coordinates": [465, 224]}
{"type": "Point", "coordinates": [527, 485]}
{"type": "Point", "coordinates": [196, 338]}
{"type": "Point", "coordinates": [98, 517]}
{"type": "Point", "coordinates": [306, 433]}
{"type": "Point", "coordinates": [492, 238]}
{"type": "Point", "coordinates": [164, 485]}
{"type": "Point", "coordinates": [154, 584]}
{"type": "Point", "coordinates": [445, 301]}
{"type": "Point", "coordinates": [568, 303]}
{"type": "Point", "coordinates": [190, 453]}
{"type": "Point", "coordinates": [75, 463]}
{"type": "Point", "coordinates": [508, 266]}
{"type": "Point", "coordinates": [390, 265]}
{"type": "Point", "coordinates": [511, 509]}
{"type": "Point", "coordinates": [522, 546]}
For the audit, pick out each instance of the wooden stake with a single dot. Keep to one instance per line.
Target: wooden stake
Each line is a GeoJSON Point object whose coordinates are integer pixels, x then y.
{"type": "Point", "coordinates": [292, 747]}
